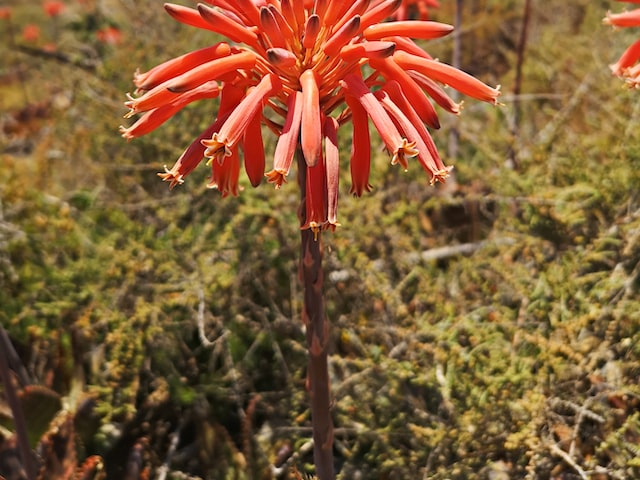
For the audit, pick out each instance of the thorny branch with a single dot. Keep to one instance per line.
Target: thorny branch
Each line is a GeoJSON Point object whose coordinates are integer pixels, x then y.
{"type": "Point", "coordinates": [568, 459]}
{"type": "Point", "coordinates": [200, 322]}
{"type": "Point", "coordinates": [582, 412]}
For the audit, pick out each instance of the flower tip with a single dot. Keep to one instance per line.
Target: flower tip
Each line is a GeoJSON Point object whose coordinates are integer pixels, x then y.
{"type": "Point", "coordinates": [315, 227]}
{"type": "Point", "coordinates": [406, 150]}
{"type": "Point", "coordinates": [441, 175]}
{"type": "Point", "coordinates": [616, 70]}
{"type": "Point", "coordinates": [125, 132]}
{"type": "Point", "coordinates": [224, 192]}
{"type": "Point", "coordinates": [409, 148]}
{"type": "Point", "coordinates": [130, 104]}
{"type": "Point", "coordinates": [216, 148]}
{"type": "Point", "coordinates": [281, 57]}
{"type": "Point", "coordinates": [170, 7]}
{"type": "Point", "coordinates": [498, 92]}
{"type": "Point", "coordinates": [277, 177]}
{"type": "Point", "coordinates": [332, 225]}
{"type": "Point", "coordinates": [177, 88]}
{"type": "Point", "coordinates": [457, 107]}
{"type": "Point", "coordinates": [357, 190]}
{"type": "Point", "coordinates": [171, 177]}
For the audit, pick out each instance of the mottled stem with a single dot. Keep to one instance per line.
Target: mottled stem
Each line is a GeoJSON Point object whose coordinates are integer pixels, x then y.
{"type": "Point", "coordinates": [317, 326]}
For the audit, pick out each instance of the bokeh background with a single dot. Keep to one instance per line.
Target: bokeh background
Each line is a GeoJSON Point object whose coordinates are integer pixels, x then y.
{"type": "Point", "coordinates": [484, 329]}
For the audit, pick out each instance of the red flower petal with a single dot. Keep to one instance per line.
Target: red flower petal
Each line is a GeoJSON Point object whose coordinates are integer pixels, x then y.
{"type": "Point", "coordinates": [461, 81]}
{"type": "Point", "coordinates": [310, 127]}
{"type": "Point", "coordinates": [225, 26]}
{"type": "Point", "coordinates": [360, 162]}
{"type": "Point", "coordinates": [179, 65]}
{"type": "Point", "coordinates": [391, 71]}
{"type": "Point", "coordinates": [193, 155]}
{"type": "Point", "coordinates": [221, 143]}
{"type": "Point", "coordinates": [407, 28]}
{"type": "Point", "coordinates": [332, 166]}
{"type": "Point", "coordinates": [156, 117]}
{"type": "Point", "coordinates": [287, 142]}
{"type": "Point", "coordinates": [316, 199]}
{"type": "Point", "coordinates": [213, 70]}
{"type": "Point", "coordinates": [398, 146]}
{"type": "Point", "coordinates": [341, 37]}
{"type": "Point", "coordinates": [253, 148]}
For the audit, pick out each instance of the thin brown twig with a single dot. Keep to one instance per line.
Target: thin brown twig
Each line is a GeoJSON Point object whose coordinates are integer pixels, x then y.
{"type": "Point", "coordinates": [88, 66]}
{"type": "Point", "coordinates": [280, 471]}
{"type": "Point", "coordinates": [268, 328]}
{"type": "Point", "coordinates": [568, 460]}
{"type": "Point", "coordinates": [454, 133]}
{"type": "Point", "coordinates": [448, 251]}
{"type": "Point", "coordinates": [173, 445]}
{"type": "Point", "coordinates": [200, 323]}
{"type": "Point", "coordinates": [517, 87]}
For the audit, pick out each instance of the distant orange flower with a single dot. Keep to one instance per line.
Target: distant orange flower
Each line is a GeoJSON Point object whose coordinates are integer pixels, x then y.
{"type": "Point", "coordinates": [627, 66]}
{"type": "Point", "coordinates": [415, 9]}
{"type": "Point", "coordinates": [109, 35]}
{"type": "Point", "coordinates": [31, 33]}
{"type": "Point", "coordinates": [5, 13]}
{"type": "Point", "coordinates": [303, 69]}
{"type": "Point", "coordinates": [53, 8]}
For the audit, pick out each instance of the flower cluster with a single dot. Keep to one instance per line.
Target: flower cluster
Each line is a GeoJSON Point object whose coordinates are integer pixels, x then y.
{"type": "Point", "coordinates": [627, 67]}
{"type": "Point", "coordinates": [303, 68]}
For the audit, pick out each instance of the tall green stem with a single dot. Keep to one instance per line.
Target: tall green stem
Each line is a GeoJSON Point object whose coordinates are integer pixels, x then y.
{"type": "Point", "coordinates": [317, 326]}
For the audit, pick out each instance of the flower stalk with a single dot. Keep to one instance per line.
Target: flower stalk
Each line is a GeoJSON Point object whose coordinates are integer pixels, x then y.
{"type": "Point", "coordinates": [303, 69]}
{"type": "Point", "coordinates": [317, 332]}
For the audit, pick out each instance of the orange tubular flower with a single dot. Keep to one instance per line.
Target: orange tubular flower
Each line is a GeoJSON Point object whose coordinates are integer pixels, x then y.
{"type": "Point", "coordinates": [286, 147]}
{"type": "Point", "coordinates": [53, 8]}
{"type": "Point", "coordinates": [360, 162]}
{"type": "Point", "coordinates": [296, 67]}
{"type": "Point", "coordinates": [627, 67]}
{"type": "Point", "coordinates": [332, 165]}
{"type": "Point", "coordinates": [310, 128]}
{"type": "Point", "coordinates": [109, 35]}
{"type": "Point", "coordinates": [31, 33]}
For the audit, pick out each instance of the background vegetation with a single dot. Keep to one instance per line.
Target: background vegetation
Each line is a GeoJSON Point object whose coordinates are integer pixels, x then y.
{"type": "Point", "coordinates": [489, 329]}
